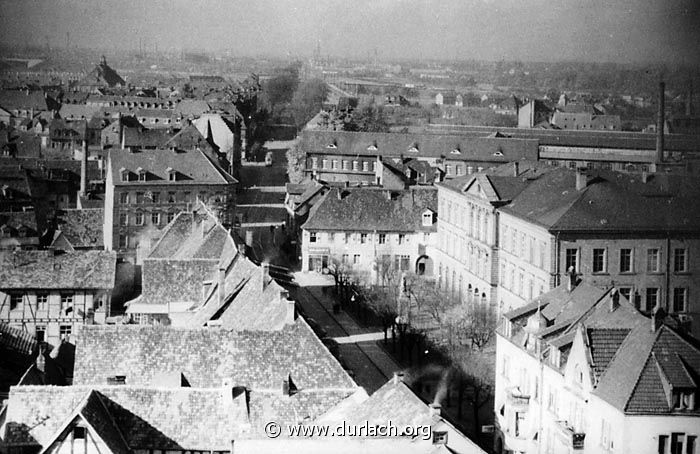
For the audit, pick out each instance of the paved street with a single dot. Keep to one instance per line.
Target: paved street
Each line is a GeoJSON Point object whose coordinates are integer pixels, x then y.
{"type": "Point", "coordinates": [371, 365]}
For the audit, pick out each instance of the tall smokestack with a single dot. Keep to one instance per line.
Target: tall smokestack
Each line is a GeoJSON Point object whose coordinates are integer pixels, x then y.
{"type": "Point", "coordinates": [660, 124]}
{"type": "Point", "coordinates": [83, 169]}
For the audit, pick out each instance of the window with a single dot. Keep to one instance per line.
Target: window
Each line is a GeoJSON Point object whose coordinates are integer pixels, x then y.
{"type": "Point", "coordinates": [382, 238]}
{"type": "Point", "coordinates": [605, 430]}
{"type": "Point", "coordinates": [314, 163]}
{"type": "Point", "coordinates": [155, 197]}
{"type": "Point", "coordinates": [652, 298]}
{"type": "Point", "coordinates": [124, 198]}
{"type": "Point", "coordinates": [599, 260]}
{"type": "Point", "coordinates": [626, 292]}
{"type": "Point", "coordinates": [139, 218]}
{"type": "Point", "coordinates": [448, 169]}
{"type": "Point", "coordinates": [680, 299]}
{"type": "Point", "coordinates": [325, 164]}
{"type": "Point", "coordinates": [171, 197]}
{"type": "Point", "coordinates": [331, 237]}
{"type": "Point", "coordinates": [427, 219]}
{"type": "Point", "coordinates": [335, 164]}
{"type": "Point", "coordinates": [125, 175]}
{"type": "Point", "coordinates": [680, 260]}
{"type": "Point", "coordinates": [346, 165]}
{"type": "Point", "coordinates": [142, 175]}
{"type": "Point", "coordinates": [65, 332]}
{"type": "Point", "coordinates": [40, 333]}
{"type": "Point", "coordinates": [345, 259]}
{"type": "Point", "coordinates": [519, 422]}
{"type": "Point", "coordinates": [458, 169]}
{"type": "Point", "coordinates": [123, 241]}
{"type": "Point", "coordinates": [401, 238]}
{"type": "Point", "coordinates": [312, 237]}
{"type": "Point", "coordinates": [405, 262]}
{"type": "Point", "coordinates": [123, 219]}
{"type": "Point", "coordinates": [172, 175]}
{"type": "Point", "coordinates": [15, 300]}
{"type": "Point", "coordinates": [571, 259]}
{"type": "Point", "coordinates": [347, 238]}
{"type": "Point", "coordinates": [155, 218]}
{"type": "Point", "coordinates": [626, 260]}
{"type": "Point", "coordinates": [439, 438]}
{"type": "Point", "coordinates": [653, 260]}
{"type": "Point", "coordinates": [41, 300]}
{"type": "Point", "coordinates": [66, 299]}
{"type": "Point", "coordinates": [363, 238]}
{"type": "Point", "coordinates": [365, 166]}
{"type": "Point", "coordinates": [356, 259]}
{"type": "Point", "coordinates": [170, 217]}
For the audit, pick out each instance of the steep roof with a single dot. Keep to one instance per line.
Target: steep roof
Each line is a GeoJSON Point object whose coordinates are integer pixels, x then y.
{"type": "Point", "coordinates": [192, 167]}
{"type": "Point", "coordinates": [141, 138]}
{"type": "Point", "coordinates": [364, 209]}
{"type": "Point", "coordinates": [646, 364]}
{"type": "Point", "coordinates": [22, 100]}
{"type": "Point", "coordinates": [207, 357]}
{"type": "Point", "coordinates": [53, 270]}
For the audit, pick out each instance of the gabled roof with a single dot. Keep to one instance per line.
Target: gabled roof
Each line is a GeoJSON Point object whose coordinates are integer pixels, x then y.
{"type": "Point", "coordinates": [362, 209]}
{"type": "Point", "coordinates": [53, 270]}
{"type": "Point", "coordinates": [192, 166]}
{"type": "Point", "coordinates": [207, 357]}
{"type": "Point", "coordinates": [22, 100]}
{"type": "Point", "coordinates": [647, 362]}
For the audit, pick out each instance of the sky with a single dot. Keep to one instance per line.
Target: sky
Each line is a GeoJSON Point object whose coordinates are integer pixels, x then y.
{"type": "Point", "coordinates": [625, 31]}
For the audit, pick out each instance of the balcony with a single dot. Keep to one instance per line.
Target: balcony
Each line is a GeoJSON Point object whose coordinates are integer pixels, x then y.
{"type": "Point", "coordinates": [570, 438]}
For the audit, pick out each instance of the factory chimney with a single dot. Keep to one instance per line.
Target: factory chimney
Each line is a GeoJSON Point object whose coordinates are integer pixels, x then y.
{"type": "Point", "coordinates": [660, 125]}
{"type": "Point", "coordinates": [83, 169]}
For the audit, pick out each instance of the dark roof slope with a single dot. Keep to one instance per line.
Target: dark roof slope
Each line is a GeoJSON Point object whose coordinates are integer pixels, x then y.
{"type": "Point", "coordinates": [82, 228]}
{"type": "Point", "coordinates": [371, 209]}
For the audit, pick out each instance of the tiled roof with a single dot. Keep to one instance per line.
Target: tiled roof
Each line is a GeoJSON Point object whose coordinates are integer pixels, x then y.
{"type": "Point", "coordinates": [141, 137]}
{"type": "Point", "coordinates": [603, 344]}
{"type": "Point", "coordinates": [22, 100]}
{"type": "Point", "coordinates": [82, 228]}
{"type": "Point", "coordinates": [192, 234]}
{"type": "Point", "coordinates": [192, 167]}
{"type": "Point", "coordinates": [207, 357]}
{"type": "Point", "coordinates": [371, 209]}
{"type": "Point", "coordinates": [17, 219]}
{"type": "Point", "coordinates": [174, 281]}
{"type": "Point", "coordinates": [453, 147]}
{"type": "Point", "coordinates": [49, 270]}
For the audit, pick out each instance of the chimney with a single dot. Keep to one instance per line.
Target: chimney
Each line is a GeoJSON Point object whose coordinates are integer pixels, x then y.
{"type": "Point", "coordinates": [398, 378]}
{"type": "Point", "coordinates": [660, 124]}
{"type": "Point", "coordinates": [581, 180]}
{"type": "Point", "coordinates": [657, 318]}
{"type": "Point", "coordinates": [221, 284]}
{"type": "Point", "coordinates": [614, 299]}
{"type": "Point", "coordinates": [291, 309]}
{"type": "Point", "coordinates": [387, 194]}
{"type": "Point", "coordinates": [571, 283]}
{"type": "Point", "coordinates": [249, 238]}
{"type": "Point", "coordinates": [41, 359]}
{"type": "Point", "coordinates": [346, 184]}
{"type": "Point", "coordinates": [265, 269]}
{"type": "Point", "coordinates": [123, 137]}
{"type": "Point", "coordinates": [645, 177]}
{"type": "Point", "coordinates": [83, 169]}
{"type": "Point", "coordinates": [339, 194]}
{"type": "Point", "coordinates": [435, 410]}
{"type": "Point", "coordinates": [516, 169]}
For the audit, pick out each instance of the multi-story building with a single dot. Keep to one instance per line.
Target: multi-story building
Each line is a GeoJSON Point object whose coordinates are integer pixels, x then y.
{"type": "Point", "coordinates": [513, 237]}
{"type": "Point", "coordinates": [50, 293]}
{"type": "Point", "coordinates": [579, 369]}
{"type": "Point", "coordinates": [145, 189]}
{"type": "Point", "coordinates": [367, 229]}
{"type": "Point", "coordinates": [467, 252]}
{"type": "Point", "coordinates": [355, 156]}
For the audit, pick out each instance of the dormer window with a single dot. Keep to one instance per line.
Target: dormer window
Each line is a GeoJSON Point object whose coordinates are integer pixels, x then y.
{"type": "Point", "coordinates": [142, 174]}
{"type": "Point", "coordinates": [683, 399]}
{"type": "Point", "coordinates": [498, 152]}
{"type": "Point", "coordinates": [414, 148]}
{"type": "Point", "coordinates": [332, 146]}
{"type": "Point", "coordinates": [427, 218]}
{"type": "Point", "coordinates": [172, 174]}
{"type": "Point", "coordinates": [116, 380]}
{"type": "Point", "coordinates": [124, 174]}
{"type": "Point", "coordinates": [456, 151]}
{"type": "Point", "coordinates": [372, 147]}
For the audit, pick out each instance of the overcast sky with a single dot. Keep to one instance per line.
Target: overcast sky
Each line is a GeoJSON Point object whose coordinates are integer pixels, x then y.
{"type": "Point", "coordinates": [541, 30]}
